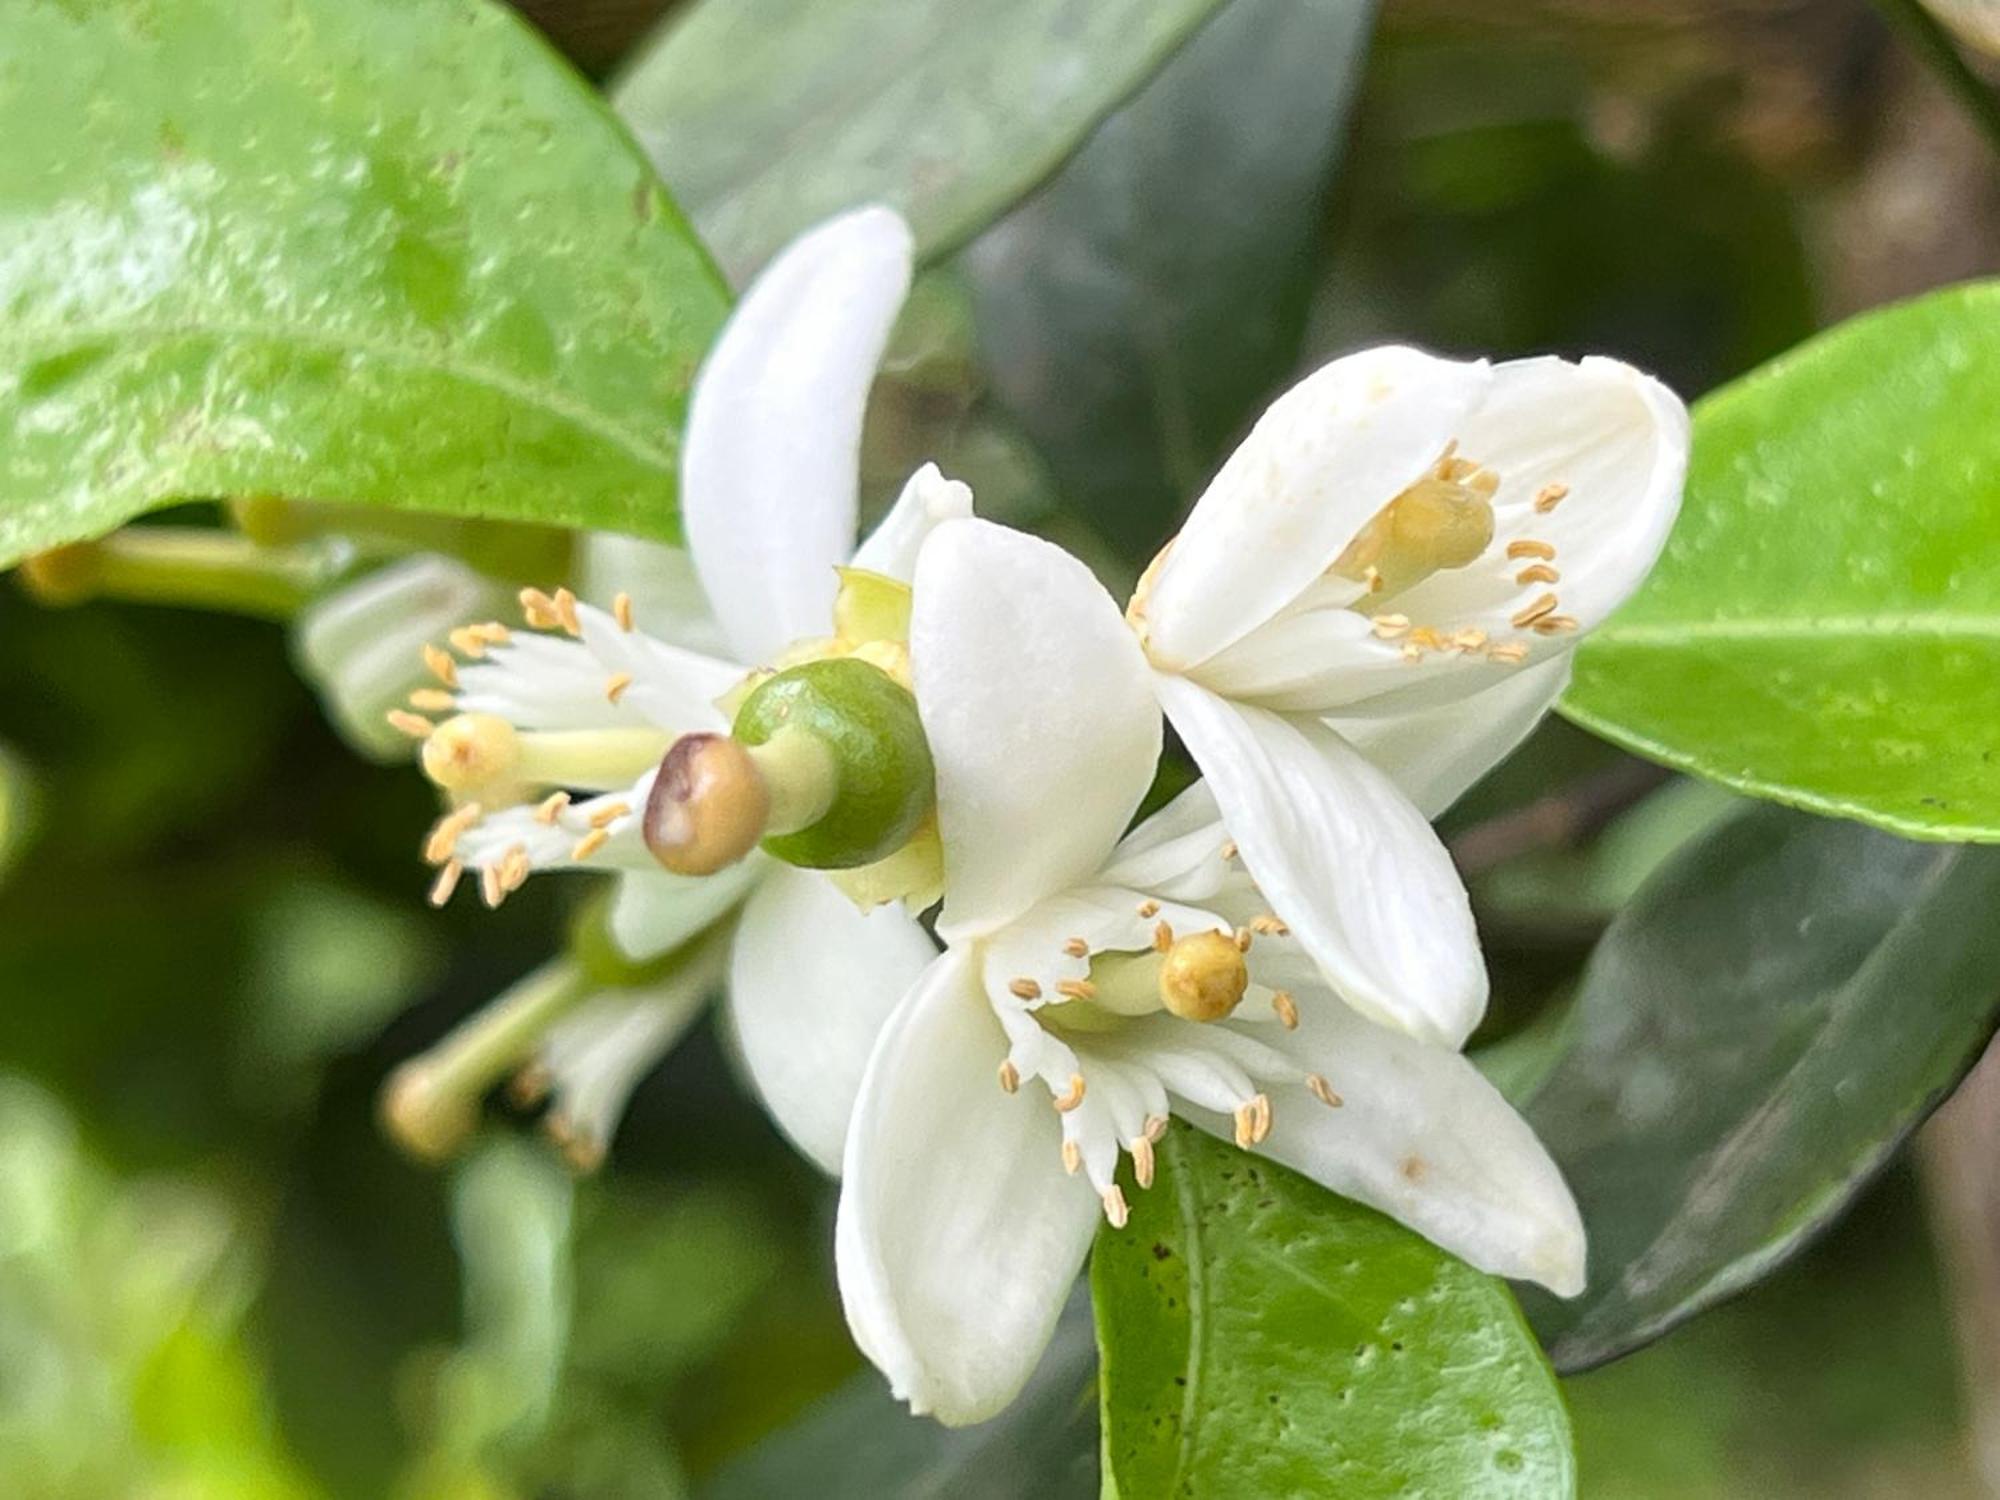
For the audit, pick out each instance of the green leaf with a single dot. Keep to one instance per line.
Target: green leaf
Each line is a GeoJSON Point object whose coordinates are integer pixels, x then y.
{"type": "Point", "coordinates": [1262, 1337]}
{"type": "Point", "coordinates": [863, 1444]}
{"type": "Point", "coordinates": [381, 251]}
{"type": "Point", "coordinates": [768, 115]}
{"type": "Point", "coordinates": [1136, 310]}
{"type": "Point", "coordinates": [1824, 629]}
{"type": "Point", "coordinates": [1785, 1000]}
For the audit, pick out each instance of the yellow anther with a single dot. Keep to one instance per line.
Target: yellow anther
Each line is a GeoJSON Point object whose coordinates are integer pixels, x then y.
{"type": "Point", "coordinates": [1287, 1009]}
{"type": "Point", "coordinates": [1076, 989]}
{"type": "Point", "coordinates": [566, 616]}
{"type": "Point", "coordinates": [1163, 936]}
{"type": "Point", "coordinates": [1323, 1091]}
{"type": "Point", "coordinates": [433, 700]}
{"type": "Point", "coordinates": [1550, 496]}
{"type": "Point", "coordinates": [615, 686]}
{"type": "Point", "coordinates": [1076, 947]}
{"type": "Point", "coordinates": [550, 808]}
{"type": "Point", "coordinates": [590, 843]}
{"type": "Point", "coordinates": [446, 883]}
{"type": "Point", "coordinates": [1142, 1161]}
{"type": "Point", "coordinates": [1203, 976]}
{"type": "Point", "coordinates": [1537, 573]}
{"type": "Point", "coordinates": [416, 726]}
{"type": "Point", "coordinates": [1115, 1209]}
{"type": "Point", "coordinates": [1072, 1157]}
{"type": "Point", "coordinates": [1066, 1102]}
{"type": "Point", "coordinates": [1556, 624]}
{"type": "Point", "coordinates": [1024, 989]}
{"type": "Point", "coordinates": [621, 610]}
{"type": "Point", "coordinates": [1529, 547]}
{"type": "Point", "coordinates": [1545, 605]}
{"type": "Point", "coordinates": [1508, 651]}
{"type": "Point", "coordinates": [1149, 909]}
{"type": "Point", "coordinates": [440, 664]}
{"type": "Point", "coordinates": [1010, 1077]}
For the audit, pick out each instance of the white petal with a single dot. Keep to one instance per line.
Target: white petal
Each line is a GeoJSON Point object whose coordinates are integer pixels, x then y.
{"type": "Point", "coordinates": [671, 687]}
{"type": "Point", "coordinates": [654, 911]}
{"type": "Point", "coordinates": [772, 460]}
{"type": "Point", "coordinates": [811, 981]}
{"type": "Point", "coordinates": [1423, 1137]}
{"type": "Point", "coordinates": [1345, 859]}
{"type": "Point", "coordinates": [928, 500]}
{"type": "Point", "coordinates": [666, 595]}
{"type": "Point", "coordinates": [1436, 754]}
{"type": "Point", "coordinates": [1040, 715]}
{"type": "Point", "coordinates": [959, 1234]}
{"type": "Point", "coordinates": [1325, 457]}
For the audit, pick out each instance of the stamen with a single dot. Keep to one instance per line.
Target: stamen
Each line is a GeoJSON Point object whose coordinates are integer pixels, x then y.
{"type": "Point", "coordinates": [1323, 1091]}
{"type": "Point", "coordinates": [605, 816]}
{"type": "Point", "coordinates": [1156, 1127]}
{"type": "Point", "coordinates": [1149, 909]}
{"type": "Point", "coordinates": [551, 808]}
{"type": "Point", "coordinates": [1556, 624]}
{"type": "Point", "coordinates": [538, 609]}
{"type": "Point", "coordinates": [515, 867]}
{"type": "Point", "coordinates": [1469, 639]}
{"type": "Point", "coordinates": [1072, 1157]}
{"type": "Point", "coordinates": [621, 610]}
{"type": "Point", "coordinates": [1076, 947]}
{"type": "Point", "coordinates": [416, 726]}
{"type": "Point", "coordinates": [566, 616]}
{"type": "Point", "coordinates": [1024, 989]}
{"type": "Point", "coordinates": [1203, 976]}
{"type": "Point", "coordinates": [590, 843]}
{"type": "Point", "coordinates": [443, 837]}
{"type": "Point", "coordinates": [1114, 1207]}
{"type": "Point", "coordinates": [492, 632]}
{"type": "Point", "coordinates": [440, 664]}
{"type": "Point", "coordinates": [1508, 651]}
{"type": "Point", "coordinates": [1537, 573]}
{"type": "Point", "coordinates": [1142, 1161]}
{"type": "Point", "coordinates": [1163, 937]}
{"type": "Point", "coordinates": [530, 1086]}
{"type": "Point", "coordinates": [467, 641]}
{"type": "Point", "coordinates": [1076, 989]}
{"type": "Point", "coordinates": [1243, 938]}
{"type": "Point", "coordinates": [616, 684]}
{"type": "Point", "coordinates": [1287, 1009]}
{"type": "Point", "coordinates": [1010, 1077]}
{"type": "Point", "coordinates": [1068, 1101]}
{"type": "Point", "coordinates": [1388, 627]}
{"type": "Point", "coordinates": [1268, 925]}
{"type": "Point", "coordinates": [433, 700]}
{"type": "Point", "coordinates": [1549, 497]}
{"type": "Point", "coordinates": [1229, 849]}
{"type": "Point", "coordinates": [1542, 606]}
{"type": "Point", "coordinates": [492, 887]}
{"type": "Point", "coordinates": [1246, 1124]}
{"type": "Point", "coordinates": [1529, 547]}
{"type": "Point", "coordinates": [446, 883]}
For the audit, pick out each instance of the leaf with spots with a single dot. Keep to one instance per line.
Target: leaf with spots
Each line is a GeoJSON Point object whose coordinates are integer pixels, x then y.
{"type": "Point", "coordinates": [383, 251]}
{"type": "Point", "coordinates": [1824, 629]}
{"type": "Point", "coordinates": [1262, 1337]}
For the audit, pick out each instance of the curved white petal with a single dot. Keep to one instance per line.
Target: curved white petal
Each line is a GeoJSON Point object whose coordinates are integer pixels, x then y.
{"type": "Point", "coordinates": [1423, 1137]}
{"type": "Point", "coordinates": [667, 600]}
{"type": "Point", "coordinates": [811, 981]}
{"type": "Point", "coordinates": [655, 911]}
{"type": "Point", "coordinates": [1325, 457]}
{"type": "Point", "coordinates": [771, 464]}
{"type": "Point", "coordinates": [1345, 860]}
{"type": "Point", "coordinates": [927, 502]}
{"type": "Point", "coordinates": [1436, 754]}
{"type": "Point", "coordinates": [1040, 716]}
{"type": "Point", "coordinates": [959, 1234]}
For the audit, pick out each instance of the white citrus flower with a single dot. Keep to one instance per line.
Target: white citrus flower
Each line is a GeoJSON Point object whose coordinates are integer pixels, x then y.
{"type": "Point", "coordinates": [557, 735]}
{"type": "Point", "coordinates": [1382, 588]}
{"type": "Point", "coordinates": [1094, 986]}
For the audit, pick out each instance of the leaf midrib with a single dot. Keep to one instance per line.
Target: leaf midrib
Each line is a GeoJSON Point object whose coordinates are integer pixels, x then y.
{"type": "Point", "coordinates": [471, 372]}
{"type": "Point", "coordinates": [1815, 628]}
{"type": "Point", "coordinates": [1197, 1295]}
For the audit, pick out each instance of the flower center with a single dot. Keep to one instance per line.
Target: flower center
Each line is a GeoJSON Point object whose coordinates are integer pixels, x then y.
{"type": "Point", "coordinates": [1443, 521]}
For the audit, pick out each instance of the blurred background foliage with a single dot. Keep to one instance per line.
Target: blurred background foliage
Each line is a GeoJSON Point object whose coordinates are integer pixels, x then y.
{"type": "Point", "coordinates": [216, 1276]}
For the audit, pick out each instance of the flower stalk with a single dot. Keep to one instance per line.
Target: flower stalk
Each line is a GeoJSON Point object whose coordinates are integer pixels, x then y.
{"type": "Point", "coordinates": [191, 567]}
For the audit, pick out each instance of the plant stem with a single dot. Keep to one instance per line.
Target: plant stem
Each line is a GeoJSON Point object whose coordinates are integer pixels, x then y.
{"type": "Point", "coordinates": [192, 567]}
{"type": "Point", "coordinates": [1926, 36]}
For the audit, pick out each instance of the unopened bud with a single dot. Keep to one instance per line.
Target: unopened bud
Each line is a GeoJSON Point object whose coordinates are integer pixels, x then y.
{"type": "Point", "coordinates": [1203, 976]}
{"type": "Point", "coordinates": [709, 805]}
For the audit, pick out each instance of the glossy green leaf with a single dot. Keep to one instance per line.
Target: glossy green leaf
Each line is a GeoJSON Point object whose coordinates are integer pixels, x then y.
{"type": "Point", "coordinates": [1137, 309]}
{"type": "Point", "coordinates": [766, 116]}
{"type": "Point", "coordinates": [1783, 1002]}
{"type": "Point", "coordinates": [1824, 629]}
{"type": "Point", "coordinates": [863, 1444]}
{"type": "Point", "coordinates": [381, 251]}
{"type": "Point", "coordinates": [1262, 1337]}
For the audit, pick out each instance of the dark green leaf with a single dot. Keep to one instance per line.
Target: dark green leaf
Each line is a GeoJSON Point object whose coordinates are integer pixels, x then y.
{"type": "Point", "coordinates": [383, 251]}
{"type": "Point", "coordinates": [1783, 1002]}
{"type": "Point", "coordinates": [1138, 308]}
{"type": "Point", "coordinates": [1825, 627]}
{"type": "Point", "coordinates": [768, 115]}
{"type": "Point", "coordinates": [1262, 1337]}
{"type": "Point", "coordinates": [862, 1444]}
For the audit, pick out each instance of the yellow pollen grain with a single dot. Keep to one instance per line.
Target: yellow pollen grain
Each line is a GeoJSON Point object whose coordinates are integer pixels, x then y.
{"type": "Point", "coordinates": [446, 883]}
{"type": "Point", "coordinates": [604, 817]}
{"type": "Point", "coordinates": [440, 665]}
{"type": "Point", "coordinates": [1556, 624]}
{"type": "Point", "coordinates": [416, 726]}
{"type": "Point", "coordinates": [1163, 937]}
{"type": "Point", "coordinates": [1072, 1157]}
{"type": "Point", "coordinates": [1550, 496]}
{"type": "Point", "coordinates": [1508, 651]}
{"type": "Point", "coordinates": [1543, 606]}
{"type": "Point", "coordinates": [1388, 627]}
{"type": "Point", "coordinates": [1076, 947]}
{"type": "Point", "coordinates": [1115, 1210]}
{"type": "Point", "coordinates": [1287, 1009]}
{"type": "Point", "coordinates": [1024, 989]}
{"type": "Point", "coordinates": [1149, 909]}
{"type": "Point", "coordinates": [566, 616]}
{"type": "Point", "coordinates": [1528, 546]}
{"type": "Point", "coordinates": [621, 610]}
{"type": "Point", "coordinates": [492, 888]}
{"type": "Point", "coordinates": [615, 685]}
{"type": "Point", "coordinates": [1010, 1077]}
{"type": "Point", "coordinates": [1537, 573]}
{"type": "Point", "coordinates": [590, 843]}
{"type": "Point", "coordinates": [550, 808]}
{"type": "Point", "coordinates": [1066, 1102]}
{"type": "Point", "coordinates": [435, 700]}
{"type": "Point", "coordinates": [1322, 1091]}
{"type": "Point", "coordinates": [1142, 1162]}
{"type": "Point", "coordinates": [1076, 989]}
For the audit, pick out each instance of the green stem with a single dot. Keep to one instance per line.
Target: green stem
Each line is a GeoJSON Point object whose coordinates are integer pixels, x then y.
{"type": "Point", "coordinates": [1933, 43]}
{"type": "Point", "coordinates": [190, 567]}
